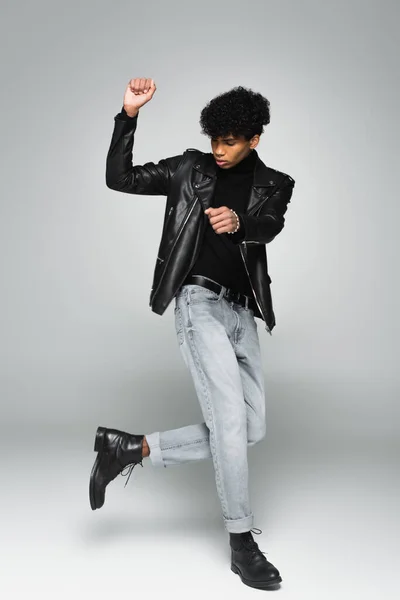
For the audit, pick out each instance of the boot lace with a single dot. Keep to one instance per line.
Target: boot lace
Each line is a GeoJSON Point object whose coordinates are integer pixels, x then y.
{"type": "Point", "coordinates": [251, 545]}
{"type": "Point", "coordinates": [130, 468]}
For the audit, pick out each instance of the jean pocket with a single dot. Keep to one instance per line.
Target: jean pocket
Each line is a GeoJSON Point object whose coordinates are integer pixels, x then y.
{"type": "Point", "coordinates": [198, 293]}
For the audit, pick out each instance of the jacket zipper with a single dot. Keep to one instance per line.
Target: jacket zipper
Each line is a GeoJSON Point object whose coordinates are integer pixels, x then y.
{"type": "Point", "coordinates": [166, 261]}
{"type": "Point", "coordinates": [251, 283]}
{"type": "Point", "coordinates": [168, 216]}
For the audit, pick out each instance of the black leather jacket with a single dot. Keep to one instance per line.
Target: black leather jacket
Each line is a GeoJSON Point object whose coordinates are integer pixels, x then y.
{"type": "Point", "coordinates": [188, 180]}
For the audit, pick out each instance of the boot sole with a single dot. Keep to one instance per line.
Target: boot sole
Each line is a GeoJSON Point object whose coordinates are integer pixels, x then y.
{"type": "Point", "coordinates": [260, 585]}
{"type": "Point", "coordinates": [98, 447]}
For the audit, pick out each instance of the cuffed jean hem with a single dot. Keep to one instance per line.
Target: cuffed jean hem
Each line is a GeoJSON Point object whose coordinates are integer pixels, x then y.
{"type": "Point", "coordinates": [239, 525]}
{"type": "Point", "coordinates": [153, 442]}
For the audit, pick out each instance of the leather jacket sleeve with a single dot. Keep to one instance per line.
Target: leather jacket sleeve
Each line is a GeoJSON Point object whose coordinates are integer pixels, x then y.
{"type": "Point", "coordinates": [123, 115]}
{"type": "Point", "coordinates": [264, 228]}
{"type": "Point", "coordinates": [122, 176]}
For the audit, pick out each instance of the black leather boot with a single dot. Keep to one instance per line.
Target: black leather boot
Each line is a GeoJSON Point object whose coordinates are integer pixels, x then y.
{"type": "Point", "coordinates": [116, 450]}
{"type": "Point", "coordinates": [248, 562]}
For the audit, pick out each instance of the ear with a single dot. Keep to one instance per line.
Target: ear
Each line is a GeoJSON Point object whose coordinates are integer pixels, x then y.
{"type": "Point", "coordinates": [254, 141]}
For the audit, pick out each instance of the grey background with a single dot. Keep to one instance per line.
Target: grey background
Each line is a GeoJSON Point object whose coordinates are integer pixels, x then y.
{"type": "Point", "coordinates": [80, 346]}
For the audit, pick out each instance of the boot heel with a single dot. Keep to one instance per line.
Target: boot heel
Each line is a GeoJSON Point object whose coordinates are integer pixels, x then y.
{"type": "Point", "coordinates": [234, 569]}
{"type": "Point", "coordinates": [99, 441]}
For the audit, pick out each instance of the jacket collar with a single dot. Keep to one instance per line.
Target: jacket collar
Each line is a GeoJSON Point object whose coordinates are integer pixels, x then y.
{"type": "Point", "coordinates": [264, 176]}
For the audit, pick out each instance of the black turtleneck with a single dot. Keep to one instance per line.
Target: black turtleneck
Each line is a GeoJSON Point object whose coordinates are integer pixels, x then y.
{"type": "Point", "coordinates": [219, 257]}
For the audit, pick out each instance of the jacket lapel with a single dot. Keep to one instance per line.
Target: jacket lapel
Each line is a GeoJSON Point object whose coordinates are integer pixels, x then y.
{"type": "Point", "coordinates": [204, 177]}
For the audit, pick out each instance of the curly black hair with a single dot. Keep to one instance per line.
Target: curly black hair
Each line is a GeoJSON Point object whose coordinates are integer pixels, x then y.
{"type": "Point", "coordinates": [239, 112]}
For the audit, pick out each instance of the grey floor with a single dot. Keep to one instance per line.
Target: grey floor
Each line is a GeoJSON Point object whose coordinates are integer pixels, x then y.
{"type": "Point", "coordinates": [330, 522]}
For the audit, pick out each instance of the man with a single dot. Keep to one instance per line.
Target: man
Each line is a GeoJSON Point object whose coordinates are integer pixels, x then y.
{"type": "Point", "coordinates": [222, 209]}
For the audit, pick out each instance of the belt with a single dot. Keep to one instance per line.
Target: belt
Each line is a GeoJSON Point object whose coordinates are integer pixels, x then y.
{"type": "Point", "coordinates": [229, 294]}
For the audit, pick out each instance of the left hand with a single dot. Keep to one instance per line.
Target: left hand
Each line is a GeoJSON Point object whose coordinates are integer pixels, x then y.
{"type": "Point", "coordinates": [221, 219]}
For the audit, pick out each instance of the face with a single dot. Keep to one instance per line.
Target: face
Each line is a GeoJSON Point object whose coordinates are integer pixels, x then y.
{"type": "Point", "coordinates": [232, 149]}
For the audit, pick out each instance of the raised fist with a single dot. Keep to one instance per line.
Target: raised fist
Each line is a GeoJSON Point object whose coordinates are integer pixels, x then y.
{"type": "Point", "coordinates": [138, 92]}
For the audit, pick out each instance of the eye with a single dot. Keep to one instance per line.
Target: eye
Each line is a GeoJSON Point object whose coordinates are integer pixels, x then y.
{"type": "Point", "coordinates": [227, 143]}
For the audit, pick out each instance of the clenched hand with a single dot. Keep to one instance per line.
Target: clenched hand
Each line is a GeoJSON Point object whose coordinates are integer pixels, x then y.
{"type": "Point", "coordinates": [138, 92]}
{"type": "Point", "coordinates": [222, 219]}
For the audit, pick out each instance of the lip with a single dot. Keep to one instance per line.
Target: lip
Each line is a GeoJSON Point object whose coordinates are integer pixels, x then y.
{"type": "Point", "coordinates": [221, 162]}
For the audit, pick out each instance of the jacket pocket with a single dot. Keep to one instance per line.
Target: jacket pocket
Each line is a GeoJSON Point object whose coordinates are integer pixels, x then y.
{"type": "Point", "coordinates": [168, 217]}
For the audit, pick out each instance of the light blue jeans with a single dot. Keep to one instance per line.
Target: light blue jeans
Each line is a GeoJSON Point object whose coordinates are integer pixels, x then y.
{"type": "Point", "coordinates": [220, 346]}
